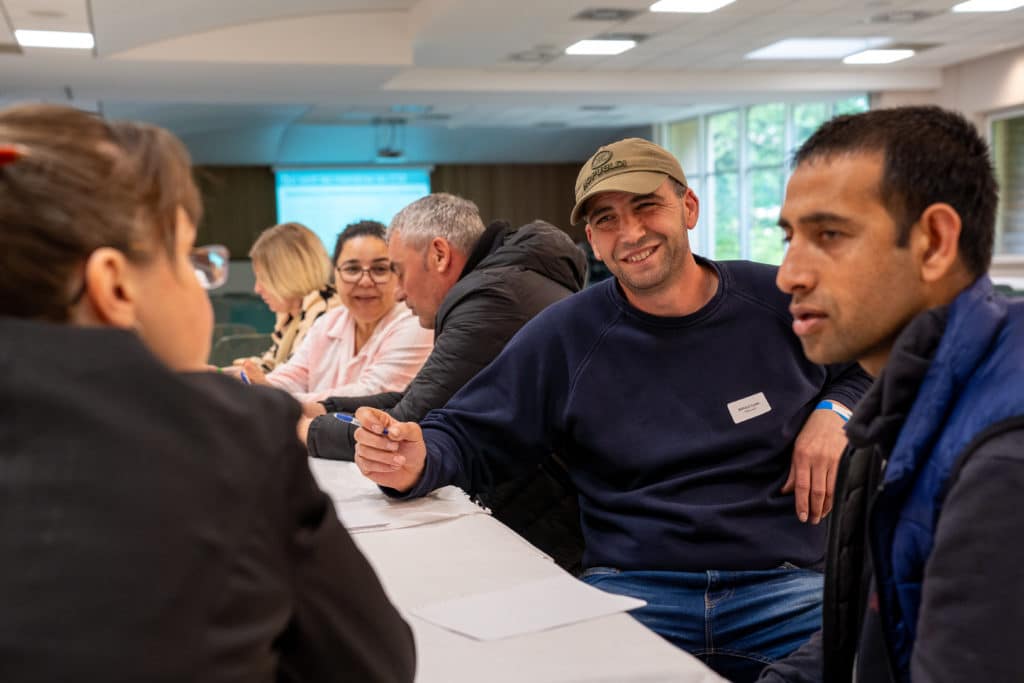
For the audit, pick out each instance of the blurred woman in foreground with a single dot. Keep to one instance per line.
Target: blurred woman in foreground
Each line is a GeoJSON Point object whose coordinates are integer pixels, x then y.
{"type": "Point", "coordinates": [157, 525]}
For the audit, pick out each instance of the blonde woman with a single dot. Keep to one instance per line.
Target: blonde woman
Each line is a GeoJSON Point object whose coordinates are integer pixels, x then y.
{"type": "Point", "coordinates": [293, 278]}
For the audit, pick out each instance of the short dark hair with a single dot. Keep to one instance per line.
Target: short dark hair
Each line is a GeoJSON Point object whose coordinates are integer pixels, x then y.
{"type": "Point", "coordinates": [930, 155]}
{"type": "Point", "coordinates": [364, 228]}
{"type": "Point", "coordinates": [677, 187]}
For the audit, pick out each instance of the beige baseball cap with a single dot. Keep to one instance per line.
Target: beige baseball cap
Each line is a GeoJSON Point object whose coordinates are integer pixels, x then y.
{"type": "Point", "coordinates": [632, 165]}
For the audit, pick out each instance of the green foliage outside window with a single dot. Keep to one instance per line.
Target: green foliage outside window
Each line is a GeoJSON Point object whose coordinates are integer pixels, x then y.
{"type": "Point", "coordinates": [851, 105]}
{"type": "Point", "coordinates": [765, 237]}
{"type": "Point", "coordinates": [725, 142]}
{"type": "Point", "coordinates": [807, 117]}
{"type": "Point", "coordinates": [746, 155]}
{"type": "Point", "coordinates": [1007, 144]}
{"type": "Point", "coordinates": [725, 189]}
{"type": "Point", "coordinates": [766, 131]}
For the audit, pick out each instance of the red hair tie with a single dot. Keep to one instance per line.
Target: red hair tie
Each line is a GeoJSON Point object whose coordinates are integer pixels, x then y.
{"type": "Point", "coordinates": [9, 153]}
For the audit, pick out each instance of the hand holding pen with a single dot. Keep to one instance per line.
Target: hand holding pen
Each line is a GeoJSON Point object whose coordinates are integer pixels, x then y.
{"type": "Point", "coordinates": [389, 452]}
{"type": "Point", "coordinates": [232, 371]}
{"type": "Point", "coordinates": [345, 417]}
{"type": "Point", "coordinates": [252, 373]}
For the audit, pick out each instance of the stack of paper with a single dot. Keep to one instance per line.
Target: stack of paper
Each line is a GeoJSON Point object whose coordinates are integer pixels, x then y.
{"type": "Point", "coordinates": [527, 608]}
{"type": "Point", "coordinates": [362, 506]}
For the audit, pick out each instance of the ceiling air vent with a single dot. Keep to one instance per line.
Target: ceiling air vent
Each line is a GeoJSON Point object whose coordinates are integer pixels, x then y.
{"type": "Point", "coordinates": [606, 14]}
{"type": "Point", "coordinates": [899, 17]}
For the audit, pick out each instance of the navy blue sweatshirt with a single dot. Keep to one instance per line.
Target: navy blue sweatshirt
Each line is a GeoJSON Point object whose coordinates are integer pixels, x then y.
{"type": "Point", "coordinates": [637, 406]}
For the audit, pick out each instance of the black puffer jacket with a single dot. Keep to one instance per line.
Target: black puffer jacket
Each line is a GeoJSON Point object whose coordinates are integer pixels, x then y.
{"type": "Point", "coordinates": [511, 276]}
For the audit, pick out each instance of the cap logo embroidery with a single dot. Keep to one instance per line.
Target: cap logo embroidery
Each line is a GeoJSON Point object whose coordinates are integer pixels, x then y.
{"type": "Point", "coordinates": [600, 171]}
{"type": "Point", "coordinates": [601, 158]}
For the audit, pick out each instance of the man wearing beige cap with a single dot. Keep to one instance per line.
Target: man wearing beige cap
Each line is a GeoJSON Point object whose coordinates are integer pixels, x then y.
{"type": "Point", "coordinates": [684, 408]}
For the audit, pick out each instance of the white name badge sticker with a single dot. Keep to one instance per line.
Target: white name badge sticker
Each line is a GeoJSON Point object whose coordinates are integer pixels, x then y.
{"type": "Point", "coordinates": [748, 408]}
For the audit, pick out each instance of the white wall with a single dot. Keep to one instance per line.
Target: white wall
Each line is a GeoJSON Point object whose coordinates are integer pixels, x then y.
{"type": "Point", "coordinates": [984, 86]}
{"type": "Point", "coordinates": [977, 89]}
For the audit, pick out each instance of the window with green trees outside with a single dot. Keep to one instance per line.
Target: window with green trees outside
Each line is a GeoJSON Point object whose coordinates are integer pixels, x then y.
{"type": "Point", "coordinates": [737, 161]}
{"type": "Point", "coordinates": [1007, 143]}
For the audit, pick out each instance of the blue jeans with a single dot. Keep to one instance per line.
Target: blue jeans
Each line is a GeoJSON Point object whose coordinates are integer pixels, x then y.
{"type": "Point", "coordinates": [735, 622]}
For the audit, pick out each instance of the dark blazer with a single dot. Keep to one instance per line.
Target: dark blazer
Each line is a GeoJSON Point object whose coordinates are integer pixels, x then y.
{"type": "Point", "coordinates": [165, 527]}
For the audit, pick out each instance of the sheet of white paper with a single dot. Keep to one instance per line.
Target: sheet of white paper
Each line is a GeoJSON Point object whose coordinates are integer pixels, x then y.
{"type": "Point", "coordinates": [362, 507]}
{"type": "Point", "coordinates": [526, 608]}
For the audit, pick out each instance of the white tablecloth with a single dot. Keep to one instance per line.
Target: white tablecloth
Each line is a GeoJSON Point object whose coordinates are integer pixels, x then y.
{"type": "Point", "coordinates": [475, 553]}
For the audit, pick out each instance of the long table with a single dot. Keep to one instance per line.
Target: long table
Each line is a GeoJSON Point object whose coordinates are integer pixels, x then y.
{"type": "Point", "coordinates": [476, 553]}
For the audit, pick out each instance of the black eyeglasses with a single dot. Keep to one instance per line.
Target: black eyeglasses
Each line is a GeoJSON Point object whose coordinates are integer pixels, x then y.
{"type": "Point", "coordinates": [352, 273]}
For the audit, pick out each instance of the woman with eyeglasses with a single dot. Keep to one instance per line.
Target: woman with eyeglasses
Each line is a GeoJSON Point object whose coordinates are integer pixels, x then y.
{"type": "Point", "coordinates": [370, 344]}
{"type": "Point", "coordinates": [158, 524]}
{"type": "Point", "coordinates": [293, 277]}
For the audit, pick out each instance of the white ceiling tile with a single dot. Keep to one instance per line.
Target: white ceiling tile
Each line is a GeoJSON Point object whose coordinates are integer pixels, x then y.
{"type": "Point", "coordinates": [460, 57]}
{"type": "Point", "coordinates": [52, 15]}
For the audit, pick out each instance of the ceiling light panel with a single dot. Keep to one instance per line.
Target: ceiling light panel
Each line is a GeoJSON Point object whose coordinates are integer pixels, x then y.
{"type": "Point", "coordinates": [56, 39]}
{"type": "Point", "coordinates": [988, 5]}
{"type": "Point", "coordinates": [692, 6]}
{"type": "Point", "coordinates": [600, 47]}
{"type": "Point", "coordinates": [816, 48]}
{"type": "Point", "coordinates": [879, 56]}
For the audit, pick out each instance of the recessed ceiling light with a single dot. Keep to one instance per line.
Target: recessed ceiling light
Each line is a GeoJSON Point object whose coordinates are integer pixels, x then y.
{"type": "Point", "coordinates": [815, 48]}
{"type": "Point", "coordinates": [878, 56]}
{"type": "Point", "coordinates": [600, 47]}
{"type": "Point", "coordinates": [694, 6]}
{"type": "Point", "coordinates": [988, 5]}
{"type": "Point", "coordinates": [62, 39]}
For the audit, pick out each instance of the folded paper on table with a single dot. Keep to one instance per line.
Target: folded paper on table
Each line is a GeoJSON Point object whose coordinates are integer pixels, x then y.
{"type": "Point", "coordinates": [527, 608]}
{"type": "Point", "coordinates": [362, 506]}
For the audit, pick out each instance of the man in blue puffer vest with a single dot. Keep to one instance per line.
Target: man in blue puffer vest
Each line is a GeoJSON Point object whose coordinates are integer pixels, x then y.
{"type": "Point", "coordinates": [889, 217]}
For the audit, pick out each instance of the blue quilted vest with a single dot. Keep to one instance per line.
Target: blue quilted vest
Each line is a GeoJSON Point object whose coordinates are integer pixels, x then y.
{"type": "Point", "coordinates": [975, 380]}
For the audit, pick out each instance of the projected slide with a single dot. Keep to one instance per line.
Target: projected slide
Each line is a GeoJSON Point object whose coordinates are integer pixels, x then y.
{"type": "Point", "coordinates": [326, 200]}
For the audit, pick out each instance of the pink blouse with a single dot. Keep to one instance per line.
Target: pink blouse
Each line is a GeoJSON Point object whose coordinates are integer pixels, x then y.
{"type": "Point", "coordinates": [326, 363]}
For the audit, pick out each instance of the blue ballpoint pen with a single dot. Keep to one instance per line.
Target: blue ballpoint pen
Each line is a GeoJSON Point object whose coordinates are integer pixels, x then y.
{"type": "Point", "coordinates": [345, 417]}
{"type": "Point", "coordinates": [245, 377]}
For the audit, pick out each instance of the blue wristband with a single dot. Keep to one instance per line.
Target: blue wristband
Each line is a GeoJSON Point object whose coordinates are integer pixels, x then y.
{"type": "Point", "coordinates": [835, 408]}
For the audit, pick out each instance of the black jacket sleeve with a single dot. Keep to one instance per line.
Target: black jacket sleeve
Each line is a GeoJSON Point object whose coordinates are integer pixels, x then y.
{"type": "Point", "coordinates": [474, 333]}
{"type": "Point", "coordinates": [804, 665]}
{"type": "Point", "coordinates": [343, 627]}
{"type": "Point", "coordinates": [349, 404]}
{"type": "Point", "coordinates": [972, 601]}
{"type": "Point", "coordinates": [333, 439]}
